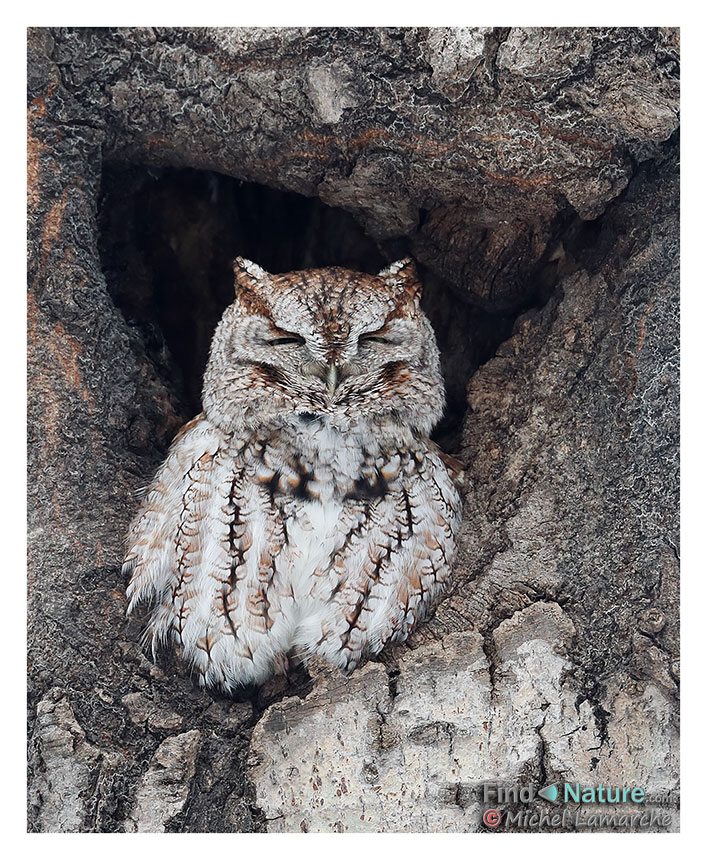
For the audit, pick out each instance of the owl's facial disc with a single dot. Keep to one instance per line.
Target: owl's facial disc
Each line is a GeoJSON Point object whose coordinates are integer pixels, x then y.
{"type": "Point", "coordinates": [365, 369]}
{"type": "Point", "coordinates": [327, 344]}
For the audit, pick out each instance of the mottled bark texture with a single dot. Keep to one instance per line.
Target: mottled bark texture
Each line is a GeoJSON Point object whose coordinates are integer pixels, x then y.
{"type": "Point", "coordinates": [532, 173]}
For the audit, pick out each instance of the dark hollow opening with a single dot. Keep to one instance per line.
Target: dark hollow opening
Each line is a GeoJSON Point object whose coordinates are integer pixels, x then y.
{"type": "Point", "coordinates": [167, 240]}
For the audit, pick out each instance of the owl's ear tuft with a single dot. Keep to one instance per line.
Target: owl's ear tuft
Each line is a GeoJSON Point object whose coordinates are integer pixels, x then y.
{"type": "Point", "coordinates": [248, 274]}
{"type": "Point", "coordinates": [404, 274]}
{"type": "Point", "coordinates": [248, 287]}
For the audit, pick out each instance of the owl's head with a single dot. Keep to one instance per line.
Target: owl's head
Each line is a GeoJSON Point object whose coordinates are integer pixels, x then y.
{"type": "Point", "coordinates": [328, 344]}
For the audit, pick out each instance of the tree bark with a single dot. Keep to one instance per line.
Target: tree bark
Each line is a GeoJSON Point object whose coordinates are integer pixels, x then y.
{"type": "Point", "coordinates": [533, 174]}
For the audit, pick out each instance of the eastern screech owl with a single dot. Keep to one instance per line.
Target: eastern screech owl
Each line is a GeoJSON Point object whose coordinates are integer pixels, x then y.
{"type": "Point", "coordinates": [305, 510]}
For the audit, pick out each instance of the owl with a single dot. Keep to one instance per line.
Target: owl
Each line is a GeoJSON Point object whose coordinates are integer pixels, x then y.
{"type": "Point", "coordinates": [305, 511]}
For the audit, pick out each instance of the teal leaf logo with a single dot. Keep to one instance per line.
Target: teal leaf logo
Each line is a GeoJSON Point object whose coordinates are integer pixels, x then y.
{"type": "Point", "coordinates": [549, 793]}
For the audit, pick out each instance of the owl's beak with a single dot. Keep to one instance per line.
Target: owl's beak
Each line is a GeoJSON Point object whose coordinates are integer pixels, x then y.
{"type": "Point", "coordinates": [332, 377]}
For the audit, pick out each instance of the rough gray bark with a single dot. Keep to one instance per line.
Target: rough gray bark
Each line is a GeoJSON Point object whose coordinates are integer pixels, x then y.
{"type": "Point", "coordinates": [532, 173]}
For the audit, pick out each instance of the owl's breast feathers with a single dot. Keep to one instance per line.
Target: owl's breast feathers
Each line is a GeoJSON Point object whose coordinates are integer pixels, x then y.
{"type": "Point", "coordinates": [247, 550]}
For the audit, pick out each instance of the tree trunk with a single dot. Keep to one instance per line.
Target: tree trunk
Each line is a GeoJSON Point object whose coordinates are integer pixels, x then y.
{"type": "Point", "coordinates": [533, 175]}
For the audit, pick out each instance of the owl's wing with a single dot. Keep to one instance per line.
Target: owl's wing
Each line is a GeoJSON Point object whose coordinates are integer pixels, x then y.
{"type": "Point", "coordinates": [153, 539]}
{"type": "Point", "coordinates": [454, 467]}
{"type": "Point", "coordinates": [203, 556]}
{"type": "Point", "coordinates": [391, 563]}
